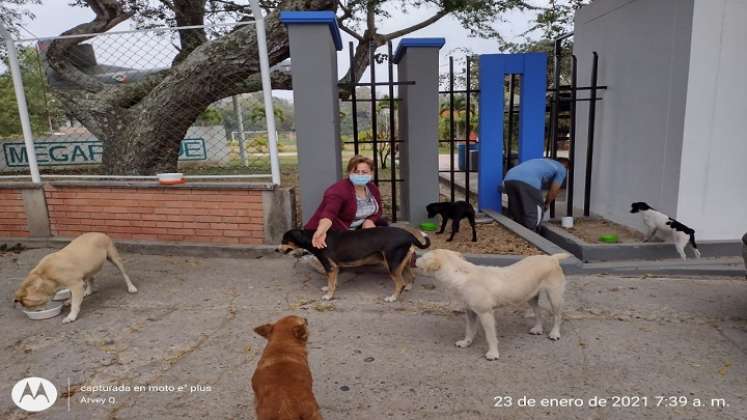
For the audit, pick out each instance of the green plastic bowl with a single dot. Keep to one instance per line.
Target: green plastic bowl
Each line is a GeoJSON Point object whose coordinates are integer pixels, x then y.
{"type": "Point", "coordinates": [428, 226]}
{"type": "Point", "coordinates": [609, 238]}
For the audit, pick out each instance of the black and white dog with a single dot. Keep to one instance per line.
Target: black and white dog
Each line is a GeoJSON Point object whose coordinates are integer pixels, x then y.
{"type": "Point", "coordinates": [666, 228]}
{"type": "Point", "coordinates": [455, 211]}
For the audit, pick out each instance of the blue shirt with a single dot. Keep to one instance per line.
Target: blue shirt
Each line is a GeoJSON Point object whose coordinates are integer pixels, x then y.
{"type": "Point", "coordinates": [538, 173]}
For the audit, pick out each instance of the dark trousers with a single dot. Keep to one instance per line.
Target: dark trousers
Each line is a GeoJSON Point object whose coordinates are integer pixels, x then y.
{"type": "Point", "coordinates": [524, 203]}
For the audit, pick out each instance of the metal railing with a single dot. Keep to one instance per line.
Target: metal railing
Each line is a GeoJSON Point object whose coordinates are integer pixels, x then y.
{"type": "Point", "coordinates": [384, 142]}
{"type": "Point", "coordinates": [561, 105]}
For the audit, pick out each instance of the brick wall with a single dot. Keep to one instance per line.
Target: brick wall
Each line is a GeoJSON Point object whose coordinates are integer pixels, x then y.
{"type": "Point", "coordinates": [13, 222]}
{"type": "Point", "coordinates": [173, 214]}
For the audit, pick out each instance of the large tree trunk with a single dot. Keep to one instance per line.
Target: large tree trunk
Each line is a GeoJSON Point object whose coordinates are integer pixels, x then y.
{"type": "Point", "coordinates": [189, 13]}
{"type": "Point", "coordinates": [142, 124]}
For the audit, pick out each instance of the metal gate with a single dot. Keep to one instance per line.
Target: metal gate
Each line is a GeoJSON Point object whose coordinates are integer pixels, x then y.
{"type": "Point", "coordinates": [388, 183]}
{"type": "Point", "coordinates": [560, 105]}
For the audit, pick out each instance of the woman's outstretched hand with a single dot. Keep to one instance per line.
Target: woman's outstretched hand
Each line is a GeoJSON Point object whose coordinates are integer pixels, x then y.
{"type": "Point", "coordinates": [319, 240]}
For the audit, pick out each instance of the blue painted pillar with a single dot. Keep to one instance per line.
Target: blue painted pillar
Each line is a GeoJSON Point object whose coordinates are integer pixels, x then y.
{"type": "Point", "coordinates": [493, 68]}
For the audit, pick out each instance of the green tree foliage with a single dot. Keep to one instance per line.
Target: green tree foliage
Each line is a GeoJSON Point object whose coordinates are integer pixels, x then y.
{"type": "Point", "coordinates": [12, 13]}
{"type": "Point", "coordinates": [257, 114]}
{"type": "Point", "coordinates": [460, 117]}
{"type": "Point", "coordinates": [45, 112]}
{"type": "Point", "coordinates": [210, 116]}
{"type": "Point", "coordinates": [253, 114]}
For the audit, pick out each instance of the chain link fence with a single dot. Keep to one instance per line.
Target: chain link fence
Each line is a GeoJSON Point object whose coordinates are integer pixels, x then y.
{"type": "Point", "coordinates": [103, 104]}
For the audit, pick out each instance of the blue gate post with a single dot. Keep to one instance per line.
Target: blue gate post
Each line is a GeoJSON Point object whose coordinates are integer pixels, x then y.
{"type": "Point", "coordinates": [493, 68]}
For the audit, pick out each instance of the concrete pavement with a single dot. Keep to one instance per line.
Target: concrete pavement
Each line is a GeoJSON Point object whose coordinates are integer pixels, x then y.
{"type": "Point", "coordinates": [191, 325]}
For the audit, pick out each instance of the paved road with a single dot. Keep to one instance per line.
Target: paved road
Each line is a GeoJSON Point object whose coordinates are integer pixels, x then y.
{"type": "Point", "coordinates": [191, 325]}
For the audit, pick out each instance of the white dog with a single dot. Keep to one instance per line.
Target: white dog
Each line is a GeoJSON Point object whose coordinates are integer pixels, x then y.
{"type": "Point", "coordinates": [666, 228]}
{"type": "Point", "coordinates": [485, 288]}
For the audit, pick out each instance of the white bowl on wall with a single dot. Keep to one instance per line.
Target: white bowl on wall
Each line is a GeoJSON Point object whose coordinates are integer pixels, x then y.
{"type": "Point", "coordinates": [171, 178]}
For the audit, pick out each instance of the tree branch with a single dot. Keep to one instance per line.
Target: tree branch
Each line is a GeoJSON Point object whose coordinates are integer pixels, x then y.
{"type": "Point", "coordinates": [413, 28]}
{"type": "Point", "coordinates": [109, 13]}
{"type": "Point", "coordinates": [233, 7]}
{"type": "Point", "coordinates": [127, 95]}
{"type": "Point", "coordinates": [350, 32]}
{"type": "Point", "coordinates": [278, 79]}
{"type": "Point", "coordinates": [168, 4]}
{"type": "Point", "coordinates": [346, 12]}
{"type": "Point", "coordinates": [219, 68]}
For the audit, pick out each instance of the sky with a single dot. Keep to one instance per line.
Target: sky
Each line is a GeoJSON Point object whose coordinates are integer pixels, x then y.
{"type": "Point", "coordinates": [56, 16]}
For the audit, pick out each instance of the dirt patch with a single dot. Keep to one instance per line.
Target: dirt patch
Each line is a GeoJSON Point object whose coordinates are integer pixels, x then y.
{"type": "Point", "coordinates": [492, 238]}
{"type": "Point", "coordinates": [590, 229]}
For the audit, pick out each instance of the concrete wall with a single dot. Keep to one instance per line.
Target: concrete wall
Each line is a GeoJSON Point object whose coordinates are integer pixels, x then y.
{"type": "Point", "coordinates": [315, 100]}
{"type": "Point", "coordinates": [713, 184]}
{"type": "Point", "coordinates": [418, 126]}
{"type": "Point", "coordinates": [643, 51]}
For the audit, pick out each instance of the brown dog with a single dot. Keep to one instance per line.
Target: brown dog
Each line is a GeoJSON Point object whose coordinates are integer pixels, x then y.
{"type": "Point", "coordinates": [72, 267]}
{"type": "Point", "coordinates": [282, 382]}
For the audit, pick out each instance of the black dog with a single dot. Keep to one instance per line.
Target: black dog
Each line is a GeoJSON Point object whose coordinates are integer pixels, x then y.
{"type": "Point", "coordinates": [455, 211]}
{"type": "Point", "coordinates": [394, 247]}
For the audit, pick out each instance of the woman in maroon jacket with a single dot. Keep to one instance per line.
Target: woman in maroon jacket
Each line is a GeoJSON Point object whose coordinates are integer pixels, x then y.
{"type": "Point", "coordinates": [351, 203]}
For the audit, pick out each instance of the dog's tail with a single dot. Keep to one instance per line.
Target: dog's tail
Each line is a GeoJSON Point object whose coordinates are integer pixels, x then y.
{"type": "Point", "coordinates": [561, 256]}
{"type": "Point", "coordinates": [416, 240]}
{"type": "Point", "coordinates": [416, 235]}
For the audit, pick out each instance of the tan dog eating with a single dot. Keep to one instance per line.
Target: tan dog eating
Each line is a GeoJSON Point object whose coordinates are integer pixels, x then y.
{"type": "Point", "coordinates": [72, 267]}
{"type": "Point", "coordinates": [282, 382]}
{"type": "Point", "coordinates": [485, 288]}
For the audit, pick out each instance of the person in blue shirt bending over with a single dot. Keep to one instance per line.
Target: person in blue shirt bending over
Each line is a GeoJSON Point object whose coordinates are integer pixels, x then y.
{"type": "Point", "coordinates": [524, 184]}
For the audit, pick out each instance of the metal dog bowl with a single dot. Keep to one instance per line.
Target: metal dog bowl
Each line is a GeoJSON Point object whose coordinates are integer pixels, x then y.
{"type": "Point", "coordinates": [50, 310]}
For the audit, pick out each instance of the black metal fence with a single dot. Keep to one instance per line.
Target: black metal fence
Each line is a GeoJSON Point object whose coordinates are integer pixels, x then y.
{"type": "Point", "coordinates": [564, 99]}
{"type": "Point", "coordinates": [453, 140]}
{"type": "Point", "coordinates": [561, 105]}
{"type": "Point", "coordinates": [393, 178]}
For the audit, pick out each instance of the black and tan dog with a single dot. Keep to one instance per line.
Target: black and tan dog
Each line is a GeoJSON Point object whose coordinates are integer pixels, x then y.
{"type": "Point", "coordinates": [391, 246]}
{"type": "Point", "coordinates": [455, 211]}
